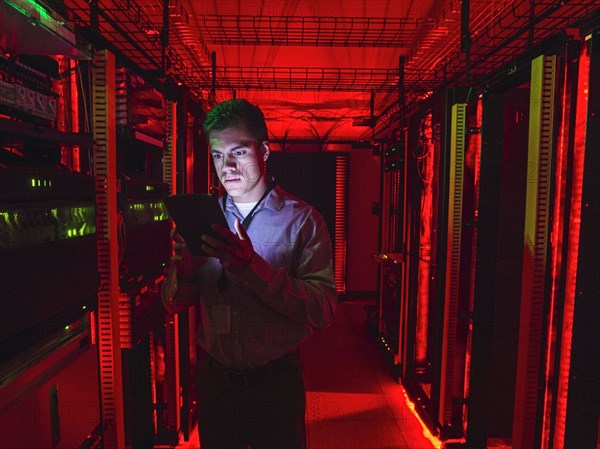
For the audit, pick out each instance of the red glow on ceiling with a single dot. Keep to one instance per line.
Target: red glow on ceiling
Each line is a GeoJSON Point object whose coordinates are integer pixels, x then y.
{"type": "Point", "coordinates": [314, 65]}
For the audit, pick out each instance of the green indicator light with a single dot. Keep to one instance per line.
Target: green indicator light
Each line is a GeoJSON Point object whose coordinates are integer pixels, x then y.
{"type": "Point", "coordinates": [38, 8]}
{"type": "Point", "coordinates": [18, 8]}
{"type": "Point", "coordinates": [33, 183]}
{"type": "Point", "coordinates": [43, 13]}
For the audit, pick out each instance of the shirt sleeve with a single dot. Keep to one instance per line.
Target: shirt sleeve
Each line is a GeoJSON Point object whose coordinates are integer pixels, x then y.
{"type": "Point", "coordinates": [308, 296]}
{"type": "Point", "coordinates": [177, 296]}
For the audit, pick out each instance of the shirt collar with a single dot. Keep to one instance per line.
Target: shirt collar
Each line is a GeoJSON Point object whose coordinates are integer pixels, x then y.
{"type": "Point", "coordinates": [274, 200]}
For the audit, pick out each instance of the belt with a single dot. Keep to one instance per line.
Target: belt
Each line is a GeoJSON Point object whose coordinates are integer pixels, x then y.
{"type": "Point", "coordinates": [251, 376]}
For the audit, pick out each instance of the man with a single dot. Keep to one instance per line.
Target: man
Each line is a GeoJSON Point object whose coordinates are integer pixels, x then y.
{"type": "Point", "coordinates": [262, 292]}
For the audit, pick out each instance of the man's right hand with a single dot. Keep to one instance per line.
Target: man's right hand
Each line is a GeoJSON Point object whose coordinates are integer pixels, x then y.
{"type": "Point", "coordinates": [185, 264]}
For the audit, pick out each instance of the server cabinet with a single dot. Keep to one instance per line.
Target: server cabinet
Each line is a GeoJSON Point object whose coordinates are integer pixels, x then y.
{"type": "Point", "coordinates": [480, 302]}
{"type": "Point", "coordinates": [455, 285]}
{"type": "Point", "coordinates": [440, 211]}
{"type": "Point", "coordinates": [142, 405]}
{"type": "Point", "coordinates": [534, 162]}
{"type": "Point", "coordinates": [499, 258]}
{"type": "Point", "coordinates": [48, 271]}
{"type": "Point", "coordinates": [572, 388]}
{"type": "Point", "coordinates": [53, 401]}
{"type": "Point", "coordinates": [391, 311]}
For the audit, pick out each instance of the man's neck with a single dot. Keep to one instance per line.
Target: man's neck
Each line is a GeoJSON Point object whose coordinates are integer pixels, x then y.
{"type": "Point", "coordinates": [255, 194]}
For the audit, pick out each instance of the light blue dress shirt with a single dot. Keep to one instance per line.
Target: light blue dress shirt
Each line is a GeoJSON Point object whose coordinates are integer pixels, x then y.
{"type": "Point", "coordinates": [285, 293]}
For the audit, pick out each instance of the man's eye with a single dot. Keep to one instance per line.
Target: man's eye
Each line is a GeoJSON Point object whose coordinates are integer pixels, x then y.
{"type": "Point", "coordinates": [238, 153]}
{"type": "Point", "coordinates": [217, 156]}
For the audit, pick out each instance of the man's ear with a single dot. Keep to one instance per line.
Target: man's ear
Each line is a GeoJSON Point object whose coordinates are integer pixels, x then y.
{"type": "Point", "coordinates": [265, 150]}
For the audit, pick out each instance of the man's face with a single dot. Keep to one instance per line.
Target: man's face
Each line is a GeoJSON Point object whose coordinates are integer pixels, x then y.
{"type": "Point", "coordinates": [239, 162]}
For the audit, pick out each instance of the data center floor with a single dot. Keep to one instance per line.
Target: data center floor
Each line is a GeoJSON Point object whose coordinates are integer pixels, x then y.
{"type": "Point", "coordinates": [352, 398]}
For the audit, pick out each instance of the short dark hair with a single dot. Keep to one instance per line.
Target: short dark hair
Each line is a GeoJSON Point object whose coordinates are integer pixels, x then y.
{"type": "Point", "coordinates": [236, 112]}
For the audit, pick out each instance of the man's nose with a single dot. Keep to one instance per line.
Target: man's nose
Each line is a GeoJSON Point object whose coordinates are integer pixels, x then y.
{"type": "Point", "coordinates": [228, 162]}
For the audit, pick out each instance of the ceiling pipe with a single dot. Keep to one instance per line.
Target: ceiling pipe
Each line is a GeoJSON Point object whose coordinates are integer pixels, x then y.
{"type": "Point", "coordinates": [372, 121]}
{"type": "Point", "coordinates": [465, 36]}
{"type": "Point", "coordinates": [401, 70]}
{"type": "Point", "coordinates": [401, 93]}
{"type": "Point", "coordinates": [394, 109]}
{"type": "Point", "coordinates": [531, 31]}
{"type": "Point", "coordinates": [94, 22]}
{"type": "Point", "coordinates": [372, 118]}
{"type": "Point", "coordinates": [164, 36]}
{"type": "Point", "coordinates": [213, 88]}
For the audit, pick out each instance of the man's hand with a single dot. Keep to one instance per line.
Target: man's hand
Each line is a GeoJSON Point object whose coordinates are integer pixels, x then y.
{"type": "Point", "coordinates": [186, 264]}
{"type": "Point", "coordinates": [235, 253]}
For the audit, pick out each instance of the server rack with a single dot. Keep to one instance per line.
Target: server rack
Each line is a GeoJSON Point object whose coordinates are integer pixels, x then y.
{"type": "Point", "coordinates": [439, 214]}
{"type": "Point", "coordinates": [572, 387]}
{"type": "Point", "coordinates": [48, 280]}
{"type": "Point", "coordinates": [150, 354]}
{"type": "Point", "coordinates": [391, 309]}
{"type": "Point", "coordinates": [100, 243]}
{"type": "Point", "coordinates": [479, 302]}
{"type": "Point", "coordinates": [522, 312]}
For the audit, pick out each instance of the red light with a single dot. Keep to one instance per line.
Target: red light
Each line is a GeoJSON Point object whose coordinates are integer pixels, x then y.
{"type": "Point", "coordinates": [435, 442]}
{"type": "Point", "coordinates": [426, 164]}
{"type": "Point", "coordinates": [573, 249]}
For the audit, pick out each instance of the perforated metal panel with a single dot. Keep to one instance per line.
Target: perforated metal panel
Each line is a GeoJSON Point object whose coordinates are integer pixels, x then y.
{"type": "Point", "coordinates": [451, 300]}
{"type": "Point", "coordinates": [171, 142]}
{"type": "Point", "coordinates": [341, 222]}
{"type": "Point", "coordinates": [104, 130]}
{"type": "Point", "coordinates": [537, 207]}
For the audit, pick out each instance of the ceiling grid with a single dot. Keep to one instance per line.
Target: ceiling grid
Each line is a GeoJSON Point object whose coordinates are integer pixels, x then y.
{"type": "Point", "coordinates": [342, 57]}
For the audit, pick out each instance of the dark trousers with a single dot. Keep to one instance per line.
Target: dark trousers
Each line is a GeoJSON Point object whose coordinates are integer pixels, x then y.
{"type": "Point", "coordinates": [263, 408]}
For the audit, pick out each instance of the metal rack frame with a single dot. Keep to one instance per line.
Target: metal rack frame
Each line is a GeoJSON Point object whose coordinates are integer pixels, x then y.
{"type": "Point", "coordinates": [313, 31]}
{"type": "Point", "coordinates": [499, 40]}
{"type": "Point", "coordinates": [143, 37]}
{"type": "Point", "coordinates": [171, 50]}
{"type": "Point", "coordinates": [309, 79]}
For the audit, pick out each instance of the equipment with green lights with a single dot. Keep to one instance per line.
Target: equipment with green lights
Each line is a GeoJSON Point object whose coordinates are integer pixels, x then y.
{"type": "Point", "coordinates": [29, 225]}
{"type": "Point", "coordinates": [139, 212]}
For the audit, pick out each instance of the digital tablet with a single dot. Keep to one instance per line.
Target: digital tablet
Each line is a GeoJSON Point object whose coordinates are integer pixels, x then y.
{"type": "Point", "coordinates": [193, 216]}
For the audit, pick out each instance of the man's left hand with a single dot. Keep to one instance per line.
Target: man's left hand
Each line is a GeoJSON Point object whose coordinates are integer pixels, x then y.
{"type": "Point", "coordinates": [235, 252]}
